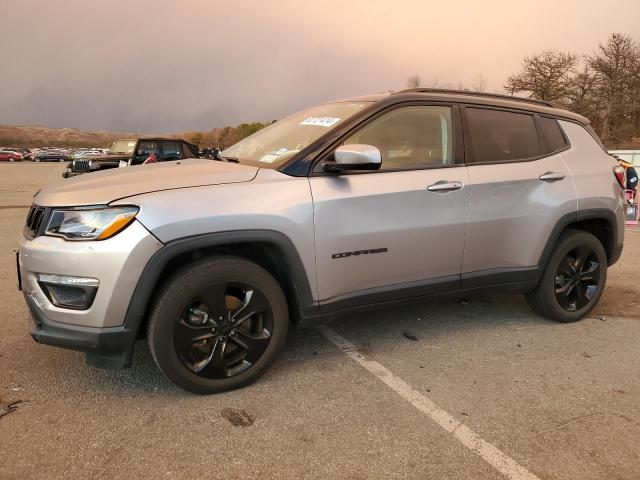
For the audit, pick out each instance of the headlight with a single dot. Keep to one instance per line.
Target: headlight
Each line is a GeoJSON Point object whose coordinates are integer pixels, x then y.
{"type": "Point", "coordinates": [90, 224]}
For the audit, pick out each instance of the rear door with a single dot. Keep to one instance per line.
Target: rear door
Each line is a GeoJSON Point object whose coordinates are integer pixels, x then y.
{"type": "Point", "coordinates": [397, 232]}
{"type": "Point", "coordinates": [520, 187]}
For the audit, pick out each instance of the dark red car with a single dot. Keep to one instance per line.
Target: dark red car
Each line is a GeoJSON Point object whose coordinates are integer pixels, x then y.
{"type": "Point", "coordinates": [9, 156]}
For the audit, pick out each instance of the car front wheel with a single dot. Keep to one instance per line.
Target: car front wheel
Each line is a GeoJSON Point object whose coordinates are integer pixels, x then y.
{"type": "Point", "coordinates": [218, 324]}
{"type": "Point", "coordinates": [573, 280]}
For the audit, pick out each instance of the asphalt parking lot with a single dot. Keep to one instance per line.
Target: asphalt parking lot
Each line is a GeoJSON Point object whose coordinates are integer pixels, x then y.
{"type": "Point", "coordinates": [523, 397]}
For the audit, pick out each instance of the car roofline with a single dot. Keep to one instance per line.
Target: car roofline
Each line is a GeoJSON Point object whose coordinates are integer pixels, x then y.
{"type": "Point", "coordinates": [472, 98]}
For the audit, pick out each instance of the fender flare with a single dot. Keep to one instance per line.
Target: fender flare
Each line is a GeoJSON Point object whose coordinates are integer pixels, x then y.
{"type": "Point", "coordinates": [144, 290]}
{"type": "Point", "coordinates": [613, 252]}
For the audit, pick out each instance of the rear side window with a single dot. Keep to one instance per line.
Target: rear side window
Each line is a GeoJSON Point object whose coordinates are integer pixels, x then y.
{"type": "Point", "coordinates": [499, 136]}
{"type": "Point", "coordinates": [170, 150]}
{"type": "Point", "coordinates": [552, 134]}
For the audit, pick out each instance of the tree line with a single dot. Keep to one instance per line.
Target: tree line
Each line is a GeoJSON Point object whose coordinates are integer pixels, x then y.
{"type": "Point", "coordinates": [603, 86]}
{"type": "Point", "coordinates": [224, 137]}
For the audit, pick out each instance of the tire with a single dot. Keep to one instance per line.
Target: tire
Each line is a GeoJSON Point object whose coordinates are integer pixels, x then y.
{"type": "Point", "coordinates": [37, 159]}
{"type": "Point", "coordinates": [565, 293]}
{"type": "Point", "coordinates": [190, 307]}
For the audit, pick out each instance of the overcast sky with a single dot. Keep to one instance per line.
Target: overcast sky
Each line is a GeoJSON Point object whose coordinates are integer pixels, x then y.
{"type": "Point", "coordinates": [166, 66]}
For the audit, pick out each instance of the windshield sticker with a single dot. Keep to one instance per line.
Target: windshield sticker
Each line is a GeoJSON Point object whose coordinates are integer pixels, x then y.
{"type": "Point", "coordinates": [273, 156]}
{"type": "Point", "coordinates": [320, 121]}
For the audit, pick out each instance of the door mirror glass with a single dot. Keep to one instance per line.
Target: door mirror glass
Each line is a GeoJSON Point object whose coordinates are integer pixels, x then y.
{"type": "Point", "coordinates": [354, 157]}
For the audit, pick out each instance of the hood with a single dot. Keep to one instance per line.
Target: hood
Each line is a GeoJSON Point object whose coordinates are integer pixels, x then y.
{"type": "Point", "coordinates": [102, 187]}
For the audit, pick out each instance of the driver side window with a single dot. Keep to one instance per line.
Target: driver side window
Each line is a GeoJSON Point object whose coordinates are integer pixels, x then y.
{"type": "Point", "coordinates": [147, 148]}
{"type": "Point", "coordinates": [410, 137]}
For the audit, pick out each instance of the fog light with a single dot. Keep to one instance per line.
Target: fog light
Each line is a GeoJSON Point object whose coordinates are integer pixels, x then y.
{"type": "Point", "coordinates": [69, 292]}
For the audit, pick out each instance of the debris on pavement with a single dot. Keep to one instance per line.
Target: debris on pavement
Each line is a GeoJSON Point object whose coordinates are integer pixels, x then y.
{"type": "Point", "coordinates": [6, 407]}
{"type": "Point", "coordinates": [238, 417]}
{"type": "Point", "coordinates": [410, 336]}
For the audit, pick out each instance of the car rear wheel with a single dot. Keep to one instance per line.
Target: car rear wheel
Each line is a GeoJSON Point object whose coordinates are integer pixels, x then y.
{"type": "Point", "coordinates": [218, 324]}
{"type": "Point", "coordinates": [573, 280]}
{"type": "Point", "coordinates": [36, 159]}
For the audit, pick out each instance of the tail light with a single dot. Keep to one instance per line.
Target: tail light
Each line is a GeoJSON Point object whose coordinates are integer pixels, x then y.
{"type": "Point", "coordinates": [618, 172]}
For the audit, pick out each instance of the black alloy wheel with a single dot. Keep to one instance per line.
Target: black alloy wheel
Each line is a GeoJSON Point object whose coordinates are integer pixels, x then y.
{"type": "Point", "coordinates": [217, 324]}
{"type": "Point", "coordinates": [577, 278]}
{"type": "Point", "coordinates": [573, 279]}
{"type": "Point", "coordinates": [224, 330]}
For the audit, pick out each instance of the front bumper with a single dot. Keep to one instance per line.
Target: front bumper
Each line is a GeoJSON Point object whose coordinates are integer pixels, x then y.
{"type": "Point", "coordinates": [109, 348]}
{"type": "Point", "coordinates": [99, 330]}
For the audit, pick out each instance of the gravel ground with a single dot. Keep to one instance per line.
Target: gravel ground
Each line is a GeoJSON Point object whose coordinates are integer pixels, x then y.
{"type": "Point", "coordinates": [563, 401]}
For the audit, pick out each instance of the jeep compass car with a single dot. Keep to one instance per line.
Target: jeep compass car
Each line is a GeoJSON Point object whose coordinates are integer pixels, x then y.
{"type": "Point", "coordinates": [347, 205]}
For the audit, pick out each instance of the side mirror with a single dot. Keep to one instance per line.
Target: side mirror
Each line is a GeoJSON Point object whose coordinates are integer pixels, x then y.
{"type": "Point", "coordinates": [354, 157]}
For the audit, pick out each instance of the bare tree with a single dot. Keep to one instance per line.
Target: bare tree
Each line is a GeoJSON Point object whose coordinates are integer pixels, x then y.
{"type": "Point", "coordinates": [545, 76]}
{"type": "Point", "coordinates": [582, 96]}
{"type": "Point", "coordinates": [481, 83]}
{"type": "Point", "coordinates": [414, 81]}
{"type": "Point", "coordinates": [616, 64]}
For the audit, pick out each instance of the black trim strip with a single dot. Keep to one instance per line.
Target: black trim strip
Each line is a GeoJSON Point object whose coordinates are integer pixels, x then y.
{"type": "Point", "coordinates": [391, 293]}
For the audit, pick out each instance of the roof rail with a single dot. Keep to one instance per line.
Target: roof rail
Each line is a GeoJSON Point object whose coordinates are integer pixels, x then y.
{"type": "Point", "coordinates": [472, 93]}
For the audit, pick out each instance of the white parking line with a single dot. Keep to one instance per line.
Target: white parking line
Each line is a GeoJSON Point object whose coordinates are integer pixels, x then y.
{"type": "Point", "coordinates": [488, 452]}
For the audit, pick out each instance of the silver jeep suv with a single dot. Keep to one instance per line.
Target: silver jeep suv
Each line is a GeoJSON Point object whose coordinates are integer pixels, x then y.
{"type": "Point", "coordinates": [350, 204]}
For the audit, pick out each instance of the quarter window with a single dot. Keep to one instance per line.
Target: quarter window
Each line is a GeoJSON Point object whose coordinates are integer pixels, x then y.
{"type": "Point", "coordinates": [187, 151]}
{"type": "Point", "coordinates": [499, 136]}
{"type": "Point", "coordinates": [410, 137]}
{"type": "Point", "coordinates": [552, 134]}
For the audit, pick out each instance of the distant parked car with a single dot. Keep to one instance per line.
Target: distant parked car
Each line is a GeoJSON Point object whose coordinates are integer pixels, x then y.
{"type": "Point", "coordinates": [25, 152]}
{"type": "Point", "coordinates": [10, 156]}
{"type": "Point", "coordinates": [84, 153]}
{"type": "Point", "coordinates": [50, 156]}
{"type": "Point", "coordinates": [135, 151]}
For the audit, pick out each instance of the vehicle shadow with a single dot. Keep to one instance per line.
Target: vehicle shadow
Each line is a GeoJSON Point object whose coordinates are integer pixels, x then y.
{"type": "Point", "coordinates": [434, 320]}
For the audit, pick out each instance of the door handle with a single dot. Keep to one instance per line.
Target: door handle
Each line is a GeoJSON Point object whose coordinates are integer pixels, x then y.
{"type": "Point", "coordinates": [551, 176]}
{"type": "Point", "coordinates": [443, 186]}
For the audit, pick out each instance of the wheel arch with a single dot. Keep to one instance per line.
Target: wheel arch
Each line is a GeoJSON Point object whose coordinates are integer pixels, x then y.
{"type": "Point", "coordinates": [602, 223]}
{"type": "Point", "coordinates": [271, 250]}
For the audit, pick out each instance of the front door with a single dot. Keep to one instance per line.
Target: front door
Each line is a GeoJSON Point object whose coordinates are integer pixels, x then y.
{"type": "Point", "coordinates": [400, 231]}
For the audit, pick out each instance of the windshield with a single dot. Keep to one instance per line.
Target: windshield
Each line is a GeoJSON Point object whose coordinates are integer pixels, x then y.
{"type": "Point", "coordinates": [123, 146]}
{"type": "Point", "coordinates": [272, 146]}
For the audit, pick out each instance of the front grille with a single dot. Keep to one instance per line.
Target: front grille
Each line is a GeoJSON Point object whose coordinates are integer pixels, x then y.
{"type": "Point", "coordinates": [80, 166]}
{"type": "Point", "coordinates": [35, 222]}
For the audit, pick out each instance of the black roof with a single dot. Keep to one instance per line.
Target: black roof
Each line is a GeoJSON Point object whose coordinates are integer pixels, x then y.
{"type": "Point", "coordinates": [471, 97]}
{"type": "Point", "coordinates": [472, 93]}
